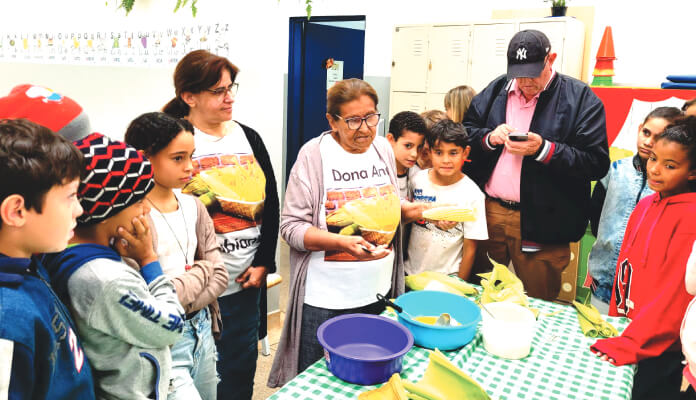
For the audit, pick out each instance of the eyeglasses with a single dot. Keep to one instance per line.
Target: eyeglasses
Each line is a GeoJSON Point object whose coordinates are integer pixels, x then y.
{"type": "Point", "coordinates": [356, 122]}
{"type": "Point", "coordinates": [221, 91]}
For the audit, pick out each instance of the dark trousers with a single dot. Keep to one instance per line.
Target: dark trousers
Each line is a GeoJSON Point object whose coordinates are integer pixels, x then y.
{"type": "Point", "coordinates": [312, 317]}
{"type": "Point", "coordinates": [238, 346]}
{"type": "Point", "coordinates": [659, 377]}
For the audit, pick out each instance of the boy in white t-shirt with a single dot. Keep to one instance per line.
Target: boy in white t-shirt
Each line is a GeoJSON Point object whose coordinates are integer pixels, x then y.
{"type": "Point", "coordinates": [446, 246]}
{"type": "Point", "coordinates": [407, 132]}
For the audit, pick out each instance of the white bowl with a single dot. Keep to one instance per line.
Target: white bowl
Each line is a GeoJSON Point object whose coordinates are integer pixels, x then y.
{"type": "Point", "coordinates": [510, 334]}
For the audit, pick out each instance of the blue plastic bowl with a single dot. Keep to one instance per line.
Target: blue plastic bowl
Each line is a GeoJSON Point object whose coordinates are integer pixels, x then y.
{"type": "Point", "coordinates": [362, 348]}
{"type": "Point", "coordinates": [434, 303]}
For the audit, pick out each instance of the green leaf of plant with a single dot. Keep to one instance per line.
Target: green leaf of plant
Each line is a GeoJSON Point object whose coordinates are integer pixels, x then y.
{"type": "Point", "coordinates": [128, 5]}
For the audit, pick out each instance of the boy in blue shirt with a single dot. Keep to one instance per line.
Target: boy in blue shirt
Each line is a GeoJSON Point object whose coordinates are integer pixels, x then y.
{"type": "Point", "coordinates": [40, 355]}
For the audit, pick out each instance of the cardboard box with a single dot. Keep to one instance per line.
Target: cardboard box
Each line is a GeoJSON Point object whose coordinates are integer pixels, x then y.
{"type": "Point", "coordinates": [569, 277]}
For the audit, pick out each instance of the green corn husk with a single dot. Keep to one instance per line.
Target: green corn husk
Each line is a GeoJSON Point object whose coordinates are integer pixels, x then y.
{"type": "Point", "coordinates": [592, 323]}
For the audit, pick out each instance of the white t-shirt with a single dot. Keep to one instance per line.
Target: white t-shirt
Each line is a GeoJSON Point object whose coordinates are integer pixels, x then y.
{"type": "Point", "coordinates": [176, 236]}
{"type": "Point", "coordinates": [432, 249]}
{"type": "Point", "coordinates": [236, 216]}
{"type": "Point", "coordinates": [405, 182]}
{"type": "Point", "coordinates": [336, 280]}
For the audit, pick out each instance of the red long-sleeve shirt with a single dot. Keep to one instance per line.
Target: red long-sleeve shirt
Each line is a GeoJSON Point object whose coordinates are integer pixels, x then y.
{"type": "Point", "coordinates": [649, 284]}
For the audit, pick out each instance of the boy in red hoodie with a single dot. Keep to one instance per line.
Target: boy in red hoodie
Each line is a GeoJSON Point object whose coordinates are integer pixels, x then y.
{"type": "Point", "coordinates": [649, 285]}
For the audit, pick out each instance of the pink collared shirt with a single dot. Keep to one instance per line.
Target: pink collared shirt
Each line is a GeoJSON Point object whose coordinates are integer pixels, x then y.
{"type": "Point", "coordinates": [504, 183]}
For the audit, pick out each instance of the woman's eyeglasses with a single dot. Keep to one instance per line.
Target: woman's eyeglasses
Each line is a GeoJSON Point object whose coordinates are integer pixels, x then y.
{"type": "Point", "coordinates": [221, 91]}
{"type": "Point", "coordinates": [355, 123]}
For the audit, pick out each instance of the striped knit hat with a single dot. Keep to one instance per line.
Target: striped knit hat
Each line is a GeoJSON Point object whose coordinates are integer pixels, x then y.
{"type": "Point", "coordinates": [117, 176]}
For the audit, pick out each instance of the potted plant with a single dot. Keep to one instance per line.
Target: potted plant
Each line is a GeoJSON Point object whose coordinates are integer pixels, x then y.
{"type": "Point", "coordinates": [558, 8]}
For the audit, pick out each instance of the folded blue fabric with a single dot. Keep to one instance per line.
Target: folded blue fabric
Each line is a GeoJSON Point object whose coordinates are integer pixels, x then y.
{"type": "Point", "coordinates": [682, 78]}
{"type": "Point", "coordinates": [673, 85]}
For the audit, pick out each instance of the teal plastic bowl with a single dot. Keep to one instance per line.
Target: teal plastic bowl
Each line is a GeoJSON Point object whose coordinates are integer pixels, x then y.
{"type": "Point", "coordinates": [433, 303]}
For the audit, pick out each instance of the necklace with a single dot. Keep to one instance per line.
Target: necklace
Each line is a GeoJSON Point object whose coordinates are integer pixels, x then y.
{"type": "Point", "coordinates": [183, 217]}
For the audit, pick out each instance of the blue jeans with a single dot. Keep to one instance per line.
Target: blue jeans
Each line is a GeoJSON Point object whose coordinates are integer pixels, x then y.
{"type": "Point", "coordinates": [193, 361]}
{"type": "Point", "coordinates": [238, 346]}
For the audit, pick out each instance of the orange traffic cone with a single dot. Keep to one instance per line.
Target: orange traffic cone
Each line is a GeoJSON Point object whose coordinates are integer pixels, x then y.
{"type": "Point", "coordinates": [604, 67]}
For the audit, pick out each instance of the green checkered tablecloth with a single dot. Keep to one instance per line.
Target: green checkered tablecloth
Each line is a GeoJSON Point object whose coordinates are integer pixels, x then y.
{"type": "Point", "coordinates": [559, 367]}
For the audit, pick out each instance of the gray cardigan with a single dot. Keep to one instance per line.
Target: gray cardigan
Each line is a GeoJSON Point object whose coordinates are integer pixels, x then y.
{"type": "Point", "coordinates": [303, 197]}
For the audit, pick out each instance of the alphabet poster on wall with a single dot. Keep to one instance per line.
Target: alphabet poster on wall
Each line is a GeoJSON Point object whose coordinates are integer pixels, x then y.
{"type": "Point", "coordinates": [129, 48]}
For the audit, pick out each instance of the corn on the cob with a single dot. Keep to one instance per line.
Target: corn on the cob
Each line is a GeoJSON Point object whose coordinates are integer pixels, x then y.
{"type": "Point", "coordinates": [379, 213]}
{"type": "Point", "coordinates": [340, 217]}
{"type": "Point", "coordinates": [208, 199]}
{"type": "Point", "coordinates": [236, 182]}
{"type": "Point", "coordinates": [350, 230]}
{"type": "Point", "coordinates": [453, 285]}
{"type": "Point", "coordinates": [196, 186]}
{"type": "Point", "coordinates": [451, 281]}
{"type": "Point", "coordinates": [450, 213]}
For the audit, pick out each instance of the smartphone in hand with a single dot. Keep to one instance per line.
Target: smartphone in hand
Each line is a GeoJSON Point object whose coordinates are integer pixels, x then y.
{"type": "Point", "coordinates": [518, 136]}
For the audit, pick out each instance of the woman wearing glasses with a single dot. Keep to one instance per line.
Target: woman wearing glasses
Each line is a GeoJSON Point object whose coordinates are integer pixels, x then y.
{"type": "Point", "coordinates": [233, 177]}
{"type": "Point", "coordinates": [340, 217]}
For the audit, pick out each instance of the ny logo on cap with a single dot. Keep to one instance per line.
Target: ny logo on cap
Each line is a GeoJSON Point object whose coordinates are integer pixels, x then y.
{"type": "Point", "coordinates": [521, 53]}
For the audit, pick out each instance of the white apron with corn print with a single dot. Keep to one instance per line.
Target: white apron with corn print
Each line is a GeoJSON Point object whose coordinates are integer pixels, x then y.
{"type": "Point", "coordinates": [359, 199]}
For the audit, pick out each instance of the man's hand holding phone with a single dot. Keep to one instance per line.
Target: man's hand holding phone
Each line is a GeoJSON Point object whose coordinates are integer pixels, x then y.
{"type": "Point", "coordinates": [523, 144]}
{"type": "Point", "coordinates": [518, 136]}
{"type": "Point", "coordinates": [500, 134]}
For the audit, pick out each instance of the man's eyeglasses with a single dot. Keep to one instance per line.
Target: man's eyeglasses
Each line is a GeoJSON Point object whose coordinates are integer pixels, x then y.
{"type": "Point", "coordinates": [355, 123]}
{"type": "Point", "coordinates": [221, 91]}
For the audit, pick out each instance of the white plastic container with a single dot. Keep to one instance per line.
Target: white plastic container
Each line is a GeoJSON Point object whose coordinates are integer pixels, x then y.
{"type": "Point", "coordinates": [510, 334]}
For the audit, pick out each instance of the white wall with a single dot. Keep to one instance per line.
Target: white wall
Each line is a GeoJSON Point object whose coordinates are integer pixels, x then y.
{"type": "Point", "coordinates": [652, 39]}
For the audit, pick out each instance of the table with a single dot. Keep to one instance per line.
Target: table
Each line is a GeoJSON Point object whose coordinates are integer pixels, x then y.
{"type": "Point", "coordinates": [559, 367]}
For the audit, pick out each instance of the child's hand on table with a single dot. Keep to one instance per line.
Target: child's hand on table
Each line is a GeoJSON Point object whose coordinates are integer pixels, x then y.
{"type": "Point", "coordinates": [604, 357]}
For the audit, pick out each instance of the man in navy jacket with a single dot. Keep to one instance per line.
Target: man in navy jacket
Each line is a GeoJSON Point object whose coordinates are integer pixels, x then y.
{"type": "Point", "coordinates": [539, 139]}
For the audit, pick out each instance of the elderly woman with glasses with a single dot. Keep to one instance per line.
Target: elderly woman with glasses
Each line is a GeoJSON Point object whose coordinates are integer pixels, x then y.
{"type": "Point", "coordinates": [233, 177]}
{"type": "Point", "coordinates": [341, 219]}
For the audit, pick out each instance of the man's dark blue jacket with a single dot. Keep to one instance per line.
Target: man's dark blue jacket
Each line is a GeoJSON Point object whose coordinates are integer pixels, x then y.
{"type": "Point", "coordinates": [555, 192]}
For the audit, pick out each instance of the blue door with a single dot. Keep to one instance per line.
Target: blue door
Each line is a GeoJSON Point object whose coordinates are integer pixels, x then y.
{"type": "Point", "coordinates": [312, 42]}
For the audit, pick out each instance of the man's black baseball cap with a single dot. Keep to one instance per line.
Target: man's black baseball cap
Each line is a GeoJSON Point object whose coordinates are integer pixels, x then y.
{"type": "Point", "coordinates": [526, 54]}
